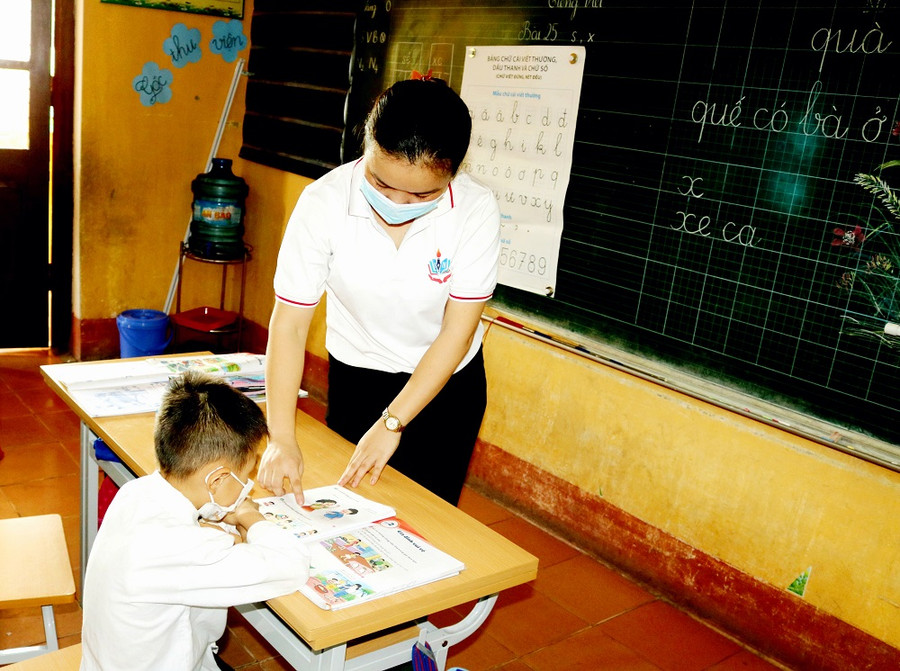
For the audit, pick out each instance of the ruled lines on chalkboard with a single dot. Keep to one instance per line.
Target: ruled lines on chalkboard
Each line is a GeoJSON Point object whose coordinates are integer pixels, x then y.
{"type": "Point", "coordinates": [715, 155]}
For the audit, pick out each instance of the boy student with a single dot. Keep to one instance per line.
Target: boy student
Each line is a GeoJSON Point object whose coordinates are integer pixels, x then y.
{"type": "Point", "coordinates": [161, 577]}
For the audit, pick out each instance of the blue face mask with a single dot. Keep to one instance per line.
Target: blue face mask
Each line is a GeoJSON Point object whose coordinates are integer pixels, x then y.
{"type": "Point", "coordinates": [395, 213]}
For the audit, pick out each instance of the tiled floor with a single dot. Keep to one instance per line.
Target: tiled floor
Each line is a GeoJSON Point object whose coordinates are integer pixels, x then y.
{"type": "Point", "coordinates": [578, 614]}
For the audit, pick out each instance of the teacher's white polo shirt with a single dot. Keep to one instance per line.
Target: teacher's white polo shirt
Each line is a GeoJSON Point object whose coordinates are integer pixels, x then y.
{"type": "Point", "coordinates": [386, 305]}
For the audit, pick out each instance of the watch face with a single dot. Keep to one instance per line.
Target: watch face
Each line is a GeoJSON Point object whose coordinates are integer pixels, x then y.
{"type": "Point", "coordinates": [392, 423]}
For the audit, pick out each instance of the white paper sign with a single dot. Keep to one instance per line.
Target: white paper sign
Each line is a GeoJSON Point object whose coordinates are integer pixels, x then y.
{"type": "Point", "coordinates": [524, 105]}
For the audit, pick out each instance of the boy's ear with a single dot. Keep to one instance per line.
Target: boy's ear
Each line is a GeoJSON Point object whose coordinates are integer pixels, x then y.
{"type": "Point", "coordinates": [219, 477]}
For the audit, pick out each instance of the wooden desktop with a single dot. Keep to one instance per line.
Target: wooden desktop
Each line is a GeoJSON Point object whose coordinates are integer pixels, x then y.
{"type": "Point", "coordinates": [306, 636]}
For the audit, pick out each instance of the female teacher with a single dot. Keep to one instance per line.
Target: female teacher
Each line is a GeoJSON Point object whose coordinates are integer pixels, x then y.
{"type": "Point", "coordinates": [406, 250]}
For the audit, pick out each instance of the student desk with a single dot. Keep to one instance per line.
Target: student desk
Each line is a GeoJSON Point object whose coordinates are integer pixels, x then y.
{"type": "Point", "coordinates": [306, 636]}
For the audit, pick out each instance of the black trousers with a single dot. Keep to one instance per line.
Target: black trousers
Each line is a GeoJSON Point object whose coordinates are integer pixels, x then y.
{"type": "Point", "coordinates": [436, 446]}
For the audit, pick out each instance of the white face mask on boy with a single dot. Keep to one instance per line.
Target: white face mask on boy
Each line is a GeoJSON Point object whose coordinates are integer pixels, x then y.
{"type": "Point", "coordinates": [214, 512]}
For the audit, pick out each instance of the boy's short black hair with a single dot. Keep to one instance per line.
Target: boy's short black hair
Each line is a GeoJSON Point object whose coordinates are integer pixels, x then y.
{"type": "Point", "coordinates": [421, 120]}
{"type": "Point", "coordinates": [202, 419]}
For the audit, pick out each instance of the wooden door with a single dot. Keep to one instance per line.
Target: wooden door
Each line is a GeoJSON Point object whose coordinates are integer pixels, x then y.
{"type": "Point", "coordinates": [25, 41]}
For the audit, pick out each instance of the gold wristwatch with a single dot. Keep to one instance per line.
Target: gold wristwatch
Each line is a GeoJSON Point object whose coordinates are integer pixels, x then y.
{"type": "Point", "coordinates": [391, 423]}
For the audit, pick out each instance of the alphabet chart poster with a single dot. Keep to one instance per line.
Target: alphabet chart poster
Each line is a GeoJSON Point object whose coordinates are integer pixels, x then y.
{"type": "Point", "coordinates": [524, 105]}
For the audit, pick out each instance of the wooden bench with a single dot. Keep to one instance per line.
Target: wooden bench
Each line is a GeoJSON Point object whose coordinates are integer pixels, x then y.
{"type": "Point", "coordinates": [64, 659]}
{"type": "Point", "coordinates": [34, 572]}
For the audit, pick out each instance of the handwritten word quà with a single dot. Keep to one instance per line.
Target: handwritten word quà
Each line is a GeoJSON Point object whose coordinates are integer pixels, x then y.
{"type": "Point", "coordinates": [828, 40]}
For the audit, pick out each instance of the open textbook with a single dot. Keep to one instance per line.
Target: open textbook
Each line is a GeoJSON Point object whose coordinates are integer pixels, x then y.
{"type": "Point", "coordinates": [359, 550]}
{"type": "Point", "coordinates": [126, 387]}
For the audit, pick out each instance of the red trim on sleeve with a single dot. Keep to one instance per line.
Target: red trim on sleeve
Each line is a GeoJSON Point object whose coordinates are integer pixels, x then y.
{"type": "Point", "coordinates": [472, 299]}
{"type": "Point", "coordinates": [450, 189]}
{"type": "Point", "coordinates": [297, 303]}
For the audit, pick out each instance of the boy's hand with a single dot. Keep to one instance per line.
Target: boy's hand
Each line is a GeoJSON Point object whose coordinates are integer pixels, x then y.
{"type": "Point", "coordinates": [218, 526]}
{"type": "Point", "coordinates": [244, 516]}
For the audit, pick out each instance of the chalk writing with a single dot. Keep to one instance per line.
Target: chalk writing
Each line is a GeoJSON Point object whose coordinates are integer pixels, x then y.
{"type": "Point", "coordinates": [531, 31]}
{"type": "Point", "coordinates": [839, 42]}
{"type": "Point", "coordinates": [821, 118]}
{"type": "Point", "coordinates": [574, 5]}
{"type": "Point", "coordinates": [704, 225]}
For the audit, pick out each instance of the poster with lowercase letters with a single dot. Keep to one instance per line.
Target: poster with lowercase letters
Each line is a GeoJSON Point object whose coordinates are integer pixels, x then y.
{"type": "Point", "coordinates": [524, 105]}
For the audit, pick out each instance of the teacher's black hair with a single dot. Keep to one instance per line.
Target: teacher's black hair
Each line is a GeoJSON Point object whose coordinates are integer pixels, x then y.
{"type": "Point", "coordinates": [421, 120]}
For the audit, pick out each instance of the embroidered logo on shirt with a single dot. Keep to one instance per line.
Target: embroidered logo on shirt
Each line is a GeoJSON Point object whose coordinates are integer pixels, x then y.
{"type": "Point", "coordinates": [439, 269]}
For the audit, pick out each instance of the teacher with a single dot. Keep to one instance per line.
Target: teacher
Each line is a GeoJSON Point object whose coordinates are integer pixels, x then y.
{"type": "Point", "coordinates": [406, 249]}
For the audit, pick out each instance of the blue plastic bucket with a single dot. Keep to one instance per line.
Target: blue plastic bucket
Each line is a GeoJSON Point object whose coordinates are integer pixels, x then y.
{"type": "Point", "coordinates": [143, 333]}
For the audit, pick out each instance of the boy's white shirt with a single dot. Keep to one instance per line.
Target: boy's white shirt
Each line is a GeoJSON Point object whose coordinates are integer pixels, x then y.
{"type": "Point", "coordinates": [158, 585]}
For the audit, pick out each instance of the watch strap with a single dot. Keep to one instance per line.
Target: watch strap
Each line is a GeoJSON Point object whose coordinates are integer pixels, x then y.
{"type": "Point", "coordinates": [391, 422]}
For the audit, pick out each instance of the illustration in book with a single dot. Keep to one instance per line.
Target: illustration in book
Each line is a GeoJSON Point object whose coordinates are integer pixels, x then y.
{"type": "Point", "coordinates": [359, 549]}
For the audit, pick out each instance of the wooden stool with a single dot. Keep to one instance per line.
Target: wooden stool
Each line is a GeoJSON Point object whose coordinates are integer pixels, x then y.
{"type": "Point", "coordinates": [34, 571]}
{"type": "Point", "coordinates": [65, 659]}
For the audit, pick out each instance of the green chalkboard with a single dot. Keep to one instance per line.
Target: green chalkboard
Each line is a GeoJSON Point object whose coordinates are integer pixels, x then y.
{"type": "Point", "coordinates": [714, 217]}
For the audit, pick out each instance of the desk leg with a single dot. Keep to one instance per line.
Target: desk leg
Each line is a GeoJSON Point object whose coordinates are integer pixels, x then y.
{"type": "Point", "coordinates": [90, 483]}
{"type": "Point", "coordinates": [290, 646]}
{"type": "Point", "coordinates": [296, 653]}
{"type": "Point", "coordinates": [441, 639]}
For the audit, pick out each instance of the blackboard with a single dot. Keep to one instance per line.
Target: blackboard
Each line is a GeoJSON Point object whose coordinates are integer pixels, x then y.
{"type": "Point", "coordinates": [300, 55]}
{"type": "Point", "coordinates": [715, 155]}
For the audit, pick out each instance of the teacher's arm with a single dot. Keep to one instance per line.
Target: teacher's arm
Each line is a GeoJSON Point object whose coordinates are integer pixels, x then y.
{"type": "Point", "coordinates": [285, 356]}
{"type": "Point", "coordinates": [429, 377]}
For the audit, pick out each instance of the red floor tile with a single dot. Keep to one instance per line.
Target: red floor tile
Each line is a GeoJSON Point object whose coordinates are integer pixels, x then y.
{"type": "Point", "coordinates": [515, 665]}
{"type": "Point", "coordinates": [479, 651]}
{"type": "Point", "coordinates": [51, 495]}
{"type": "Point", "coordinates": [23, 430]}
{"type": "Point", "coordinates": [482, 508]}
{"type": "Point", "coordinates": [669, 638]}
{"type": "Point", "coordinates": [588, 650]}
{"type": "Point", "coordinates": [589, 589]}
{"type": "Point", "coordinates": [524, 620]}
{"type": "Point", "coordinates": [743, 661]}
{"type": "Point", "coordinates": [547, 548]}
{"type": "Point", "coordinates": [7, 509]}
{"type": "Point", "coordinates": [11, 405]}
{"type": "Point", "coordinates": [42, 399]}
{"type": "Point", "coordinates": [64, 425]}
{"type": "Point", "coordinates": [23, 463]}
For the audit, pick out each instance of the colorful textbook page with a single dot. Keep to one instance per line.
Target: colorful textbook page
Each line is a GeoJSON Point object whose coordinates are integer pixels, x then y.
{"type": "Point", "coordinates": [359, 550]}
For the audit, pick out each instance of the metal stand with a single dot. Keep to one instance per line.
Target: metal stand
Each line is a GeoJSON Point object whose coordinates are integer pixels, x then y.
{"type": "Point", "coordinates": [217, 322]}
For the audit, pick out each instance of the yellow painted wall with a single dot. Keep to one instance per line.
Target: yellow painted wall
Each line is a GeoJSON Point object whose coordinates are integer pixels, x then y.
{"type": "Point", "coordinates": [767, 502]}
{"type": "Point", "coordinates": [134, 166]}
{"type": "Point", "coordinates": [762, 500]}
